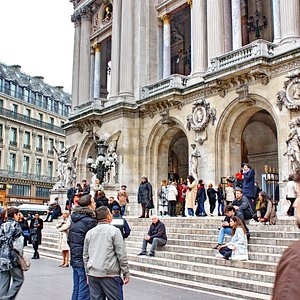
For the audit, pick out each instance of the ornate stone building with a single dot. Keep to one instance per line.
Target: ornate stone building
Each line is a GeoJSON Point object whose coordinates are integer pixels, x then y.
{"type": "Point", "coordinates": [221, 75]}
{"type": "Point", "coordinates": [31, 115]}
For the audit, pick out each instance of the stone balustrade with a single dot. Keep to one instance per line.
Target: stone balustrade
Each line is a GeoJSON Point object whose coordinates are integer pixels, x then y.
{"type": "Point", "coordinates": [258, 48]}
{"type": "Point", "coordinates": [175, 81]}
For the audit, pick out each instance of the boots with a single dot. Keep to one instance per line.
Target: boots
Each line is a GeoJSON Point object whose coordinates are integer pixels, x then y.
{"type": "Point", "coordinates": [143, 211]}
{"type": "Point", "coordinates": [147, 212]}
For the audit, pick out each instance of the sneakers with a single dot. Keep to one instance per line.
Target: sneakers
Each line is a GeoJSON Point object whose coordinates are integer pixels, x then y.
{"type": "Point", "coordinates": [151, 254]}
{"type": "Point", "coordinates": [142, 253]}
{"type": "Point", "coordinates": [216, 247]}
{"type": "Point", "coordinates": [219, 255]}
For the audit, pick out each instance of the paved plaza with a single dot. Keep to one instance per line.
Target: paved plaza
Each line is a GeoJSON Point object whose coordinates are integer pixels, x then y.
{"type": "Point", "coordinates": [45, 280]}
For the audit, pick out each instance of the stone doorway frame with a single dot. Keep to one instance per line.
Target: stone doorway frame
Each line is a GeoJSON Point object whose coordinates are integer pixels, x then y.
{"type": "Point", "coordinates": [230, 129]}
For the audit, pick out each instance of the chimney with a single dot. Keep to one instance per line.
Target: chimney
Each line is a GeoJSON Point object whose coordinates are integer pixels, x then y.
{"type": "Point", "coordinates": [16, 67]}
{"type": "Point", "coordinates": [39, 78]}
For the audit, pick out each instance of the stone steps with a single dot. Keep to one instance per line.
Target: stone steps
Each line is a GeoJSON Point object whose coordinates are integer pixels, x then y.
{"type": "Point", "coordinates": [188, 258]}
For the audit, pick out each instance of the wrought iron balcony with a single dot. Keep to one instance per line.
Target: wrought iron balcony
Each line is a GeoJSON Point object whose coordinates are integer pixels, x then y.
{"type": "Point", "coordinates": [26, 146]}
{"type": "Point", "coordinates": [38, 149]}
{"type": "Point", "coordinates": [51, 152]}
{"type": "Point", "coordinates": [26, 176]}
{"type": "Point", "coordinates": [29, 120]}
{"type": "Point", "coordinates": [13, 143]}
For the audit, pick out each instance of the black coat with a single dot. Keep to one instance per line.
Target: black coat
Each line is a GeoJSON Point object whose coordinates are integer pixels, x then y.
{"type": "Point", "coordinates": [101, 201]}
{"type": "Point", "coordinates": [82, 220]}
{"type": "Point", "coordinates": [38, 231]}
{"type": "Point", "coordinates": [145, 193]}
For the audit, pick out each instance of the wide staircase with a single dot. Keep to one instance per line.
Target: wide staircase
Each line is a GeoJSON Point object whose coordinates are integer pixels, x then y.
{"type": "Point", "coordinates": [189, 261]}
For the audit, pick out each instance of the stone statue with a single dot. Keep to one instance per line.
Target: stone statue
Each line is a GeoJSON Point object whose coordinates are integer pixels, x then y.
{"type": "Point", "coordinates": [107, 14]}
{"type": "Point", "coordinates": [194, 161]}
{"type": "Point", "coordinates": [66, 171]}
{"type": "Point", "coordinates": [293, 148]}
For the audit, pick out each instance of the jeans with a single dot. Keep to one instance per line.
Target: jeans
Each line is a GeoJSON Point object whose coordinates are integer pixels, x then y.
{"type": "Point", "coordinates": [190, 212]}
{"type": "Point", "coordinates": [226, 252]}
{"type": "Point", "coordinates": [222, 232]}
{"type": "Point", "coordinates": [155, 242]}
{"type": "Point", "coordinates": [123, 208]}
{"type": "Point", "coordinates": [10, 283]}
{"type": "Point", "coordinates": [80, 286]}
{"type": "Point", "coordinates": [201, 208]}
{"type": "Point", "coordinates": [221, 205]}
{"type": "Point", "coordinates": [172, 208]}
{"type": "Point", "coordinates": [102, 287]}
{"type": "Point", "coordinates": [212, 205]}
{"type": "Point", "coordinates": [290, 211]}
{"type": "Point", "coordinates": [183, 208]}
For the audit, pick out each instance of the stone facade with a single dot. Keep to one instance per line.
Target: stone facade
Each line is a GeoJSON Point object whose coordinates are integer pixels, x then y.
{"type": "Point", "coordinates": [234, 94]}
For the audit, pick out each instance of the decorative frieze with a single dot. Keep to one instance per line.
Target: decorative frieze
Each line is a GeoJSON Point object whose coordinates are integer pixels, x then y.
{"type": "Point", "coordinates": [244, 97]}
{"type": "Point", "coordinates": [290, 96]}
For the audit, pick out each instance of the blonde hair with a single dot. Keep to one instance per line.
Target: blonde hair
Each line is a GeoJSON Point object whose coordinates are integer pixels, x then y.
{"type": "Point", "coordinates": [210, 185]}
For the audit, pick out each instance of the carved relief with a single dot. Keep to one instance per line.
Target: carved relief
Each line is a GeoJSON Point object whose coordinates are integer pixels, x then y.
{"type": "Point", "coordinates": [244, 97]}
{"type": "Point", "coordinates": [290, 96]}
{"type": "Point", "coordinates": [201, 115]}
{"type": "Point", "coordinates": [166, 118]}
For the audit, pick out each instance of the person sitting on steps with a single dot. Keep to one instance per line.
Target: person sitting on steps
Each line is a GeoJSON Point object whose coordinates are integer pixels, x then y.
{"type": "Point", "coordinates": [156, 236]}
{"type": "Point", "coordinates": [226, 228]}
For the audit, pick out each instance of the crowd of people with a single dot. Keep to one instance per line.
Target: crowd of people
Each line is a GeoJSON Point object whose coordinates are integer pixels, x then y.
{"type": "Point", "coordinates": [92, 228]}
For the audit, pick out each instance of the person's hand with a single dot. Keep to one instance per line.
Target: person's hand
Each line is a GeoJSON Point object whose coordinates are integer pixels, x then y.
{"type": "Point", "coordinates": [234, 248]}
{"type": "Point", "coordinates": [125, 280]}
{"type": "Point", "coordinates": [225, 224]}
{"type": "Point", "coordinates": [147, 237]}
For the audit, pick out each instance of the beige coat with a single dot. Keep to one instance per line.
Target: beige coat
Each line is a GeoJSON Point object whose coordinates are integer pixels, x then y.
{"type": "Point", "coordinates": [63, 228]}
{"type": "Point", "coordinates": [191, 193]}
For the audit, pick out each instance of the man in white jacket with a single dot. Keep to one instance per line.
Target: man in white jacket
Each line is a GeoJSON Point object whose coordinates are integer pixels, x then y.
{"type": "Point", "coordinates": [105, 258]}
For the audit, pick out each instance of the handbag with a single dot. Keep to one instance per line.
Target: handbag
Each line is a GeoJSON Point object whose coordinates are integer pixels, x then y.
{"type": "Point", "coordinates": [24, 262]}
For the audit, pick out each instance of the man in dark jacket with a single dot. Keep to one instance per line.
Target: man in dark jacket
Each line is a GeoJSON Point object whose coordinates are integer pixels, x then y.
{"type": "Point", "coordinates": [248, 185]}
{"type": "Point", "coordinates": [119, 222]}
{"type": "Point", "coordinates": [145, 197]}
{"type": "Point", "coordinates": [85, 188]}
{"type": "Point", "coordinates": [156, 236]}
{"type": "Point", "coordinates": [286, 285]}
{"type": "Point", "coordinates": [242, 208]}
{"type": "Point", "coordinates": [82, 220]}
{"type": "Point", "coordinates": [201, 198]}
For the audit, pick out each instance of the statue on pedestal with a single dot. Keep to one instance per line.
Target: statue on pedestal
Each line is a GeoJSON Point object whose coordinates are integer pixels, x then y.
{"type": "Point", "coordinates": [194, 161]}
{"type": "Point", "coordinates": [66, 171]}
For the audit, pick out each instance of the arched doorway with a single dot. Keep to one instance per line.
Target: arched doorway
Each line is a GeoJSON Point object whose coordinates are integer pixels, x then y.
{"type": "Point", "coordinates": [172, 155]}
{"type": "Point", "coordinates": [247, 134]}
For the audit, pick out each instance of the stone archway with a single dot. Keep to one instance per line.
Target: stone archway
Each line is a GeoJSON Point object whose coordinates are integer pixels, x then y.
{"type": "Point", "coordinates": [247, 134]}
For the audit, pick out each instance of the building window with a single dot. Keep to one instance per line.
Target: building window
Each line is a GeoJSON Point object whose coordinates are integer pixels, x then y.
{"type": "Point", "coordinates": [19, 190]}
{"type": "Point", "coordinates": [50, 169]}
{"type": "Point", "coordinates": [39, 143]}
{"type": "Point", "coordinates": [51, 121]}
{"type": "Point", "coordinates": [62, 123]}
{"type": "Point", "coordinates": [27, 112]}
{"type": "Point", "coordinates": [1, 103]}
{"type": "Point", "coordinates": [1, 133]}
{"type": "Point", "coordinates": [38, 167]}
{"type": "Point", "coordinates": [13, 136]}
{"type": "Point", "coordinates": [15, 108]}
{"type": "Point", "coordinates": [25, 165]}
{"type": "Point", "coordinates": [42, 192]}
{"type": "Point", "coordinates": [27, 140]}
{"type": "Point", "coordinates": [50, 146]}
{"type": "Point", "coordinates": [61, 145]}
{"type": "Point", "coordinates": [41, 117]}
{"type": "Point", "coordinates": [12, 162]}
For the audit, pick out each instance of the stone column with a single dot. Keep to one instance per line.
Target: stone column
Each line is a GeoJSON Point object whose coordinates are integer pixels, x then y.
{"type": "Point", "coordinates": [199, 37]}
{"type": "Point", "coordinates": [92, 71]}
{"type": "Point", "coordinates": [215, 28]}
{"type": "Point", "coordinates": [126, 67]}
{"type": "Point", "coordinates": [97, 72]}
{"type": "Point", "coordinates": [115, 49]}
{"type": "Point", "coordinates": [289, 19]}
{"type": "Point", "coordinates": [227, 26]}
{"type": "Point", "coordinates": [84, 77]}
{"type": "Point", "coordinates": [236, 24]}
{"type": "Point", "coordinates": [244, 21]}
{"type": "Point", "coordinates": [276, 21]}
{"type": "Point", "coordinates": [166, 46]}
{"type": "Point", "coordinates": [76, 51]}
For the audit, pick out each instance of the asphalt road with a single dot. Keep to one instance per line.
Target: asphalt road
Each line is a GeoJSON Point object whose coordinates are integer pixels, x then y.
{"type": "Point", "coordinates": [46, 281]}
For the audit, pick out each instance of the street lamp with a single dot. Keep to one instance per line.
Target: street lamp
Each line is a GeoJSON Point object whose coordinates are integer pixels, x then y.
{"type": "Point", "coordinates": [257, 23]}
{"type": "Point", "coordinates": [103, 162]}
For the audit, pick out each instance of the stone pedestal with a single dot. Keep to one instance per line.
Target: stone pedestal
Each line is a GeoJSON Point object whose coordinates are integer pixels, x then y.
{"type": "Point", "coordinates": [61, 194]}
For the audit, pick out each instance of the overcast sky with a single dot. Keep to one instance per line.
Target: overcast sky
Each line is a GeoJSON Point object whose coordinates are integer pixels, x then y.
{"type": "Point", "coordinates": [38, 35]}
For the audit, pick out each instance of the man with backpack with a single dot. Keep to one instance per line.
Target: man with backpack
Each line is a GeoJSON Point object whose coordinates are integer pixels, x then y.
{"type": "Point", "coordinates": [119, 222]}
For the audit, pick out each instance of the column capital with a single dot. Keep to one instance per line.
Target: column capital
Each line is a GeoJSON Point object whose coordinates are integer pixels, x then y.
{"type": "Point", "coordinates": [76, 19]}
{"type": "Point", "coordinates": [85, 13]}
{"type": "Point", "coordinates": [190, 3]}
{"type": "Point", "coordinates": [97, 47]}
{"type": "Point", "coordinates": [166, 19]}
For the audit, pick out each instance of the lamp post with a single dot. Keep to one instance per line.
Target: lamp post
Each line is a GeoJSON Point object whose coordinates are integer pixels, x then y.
{"type": "Point", "coordinates": [103, 162]}
{"type": "Point", "coordinates": [257, 23]}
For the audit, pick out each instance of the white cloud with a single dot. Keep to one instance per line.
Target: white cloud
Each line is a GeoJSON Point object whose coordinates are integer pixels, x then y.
{"type": "Point", "coordinates": [38, 35]}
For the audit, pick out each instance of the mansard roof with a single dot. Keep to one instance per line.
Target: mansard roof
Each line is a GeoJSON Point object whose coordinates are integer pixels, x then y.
{"type": "Point", "coordinates": [36, 84]}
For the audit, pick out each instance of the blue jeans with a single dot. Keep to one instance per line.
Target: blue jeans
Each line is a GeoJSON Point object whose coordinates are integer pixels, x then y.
{"type": "Point", "coordinates": [123, 210]}
{"type": "Point", "coordinates": [80, 286]}
{"type": "Point", "coordinates": [221, 205]}
{"type": "Point", "coordinates": [190, 212]}
{"type": "Point", "coordinates": [222, 233]}
{"type": "Point", "coordinates": [201, 208]}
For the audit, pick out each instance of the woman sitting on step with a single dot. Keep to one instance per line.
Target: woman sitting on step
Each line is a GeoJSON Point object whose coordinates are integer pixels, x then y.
{"type": "Point", "coordinates": [236, 249]}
